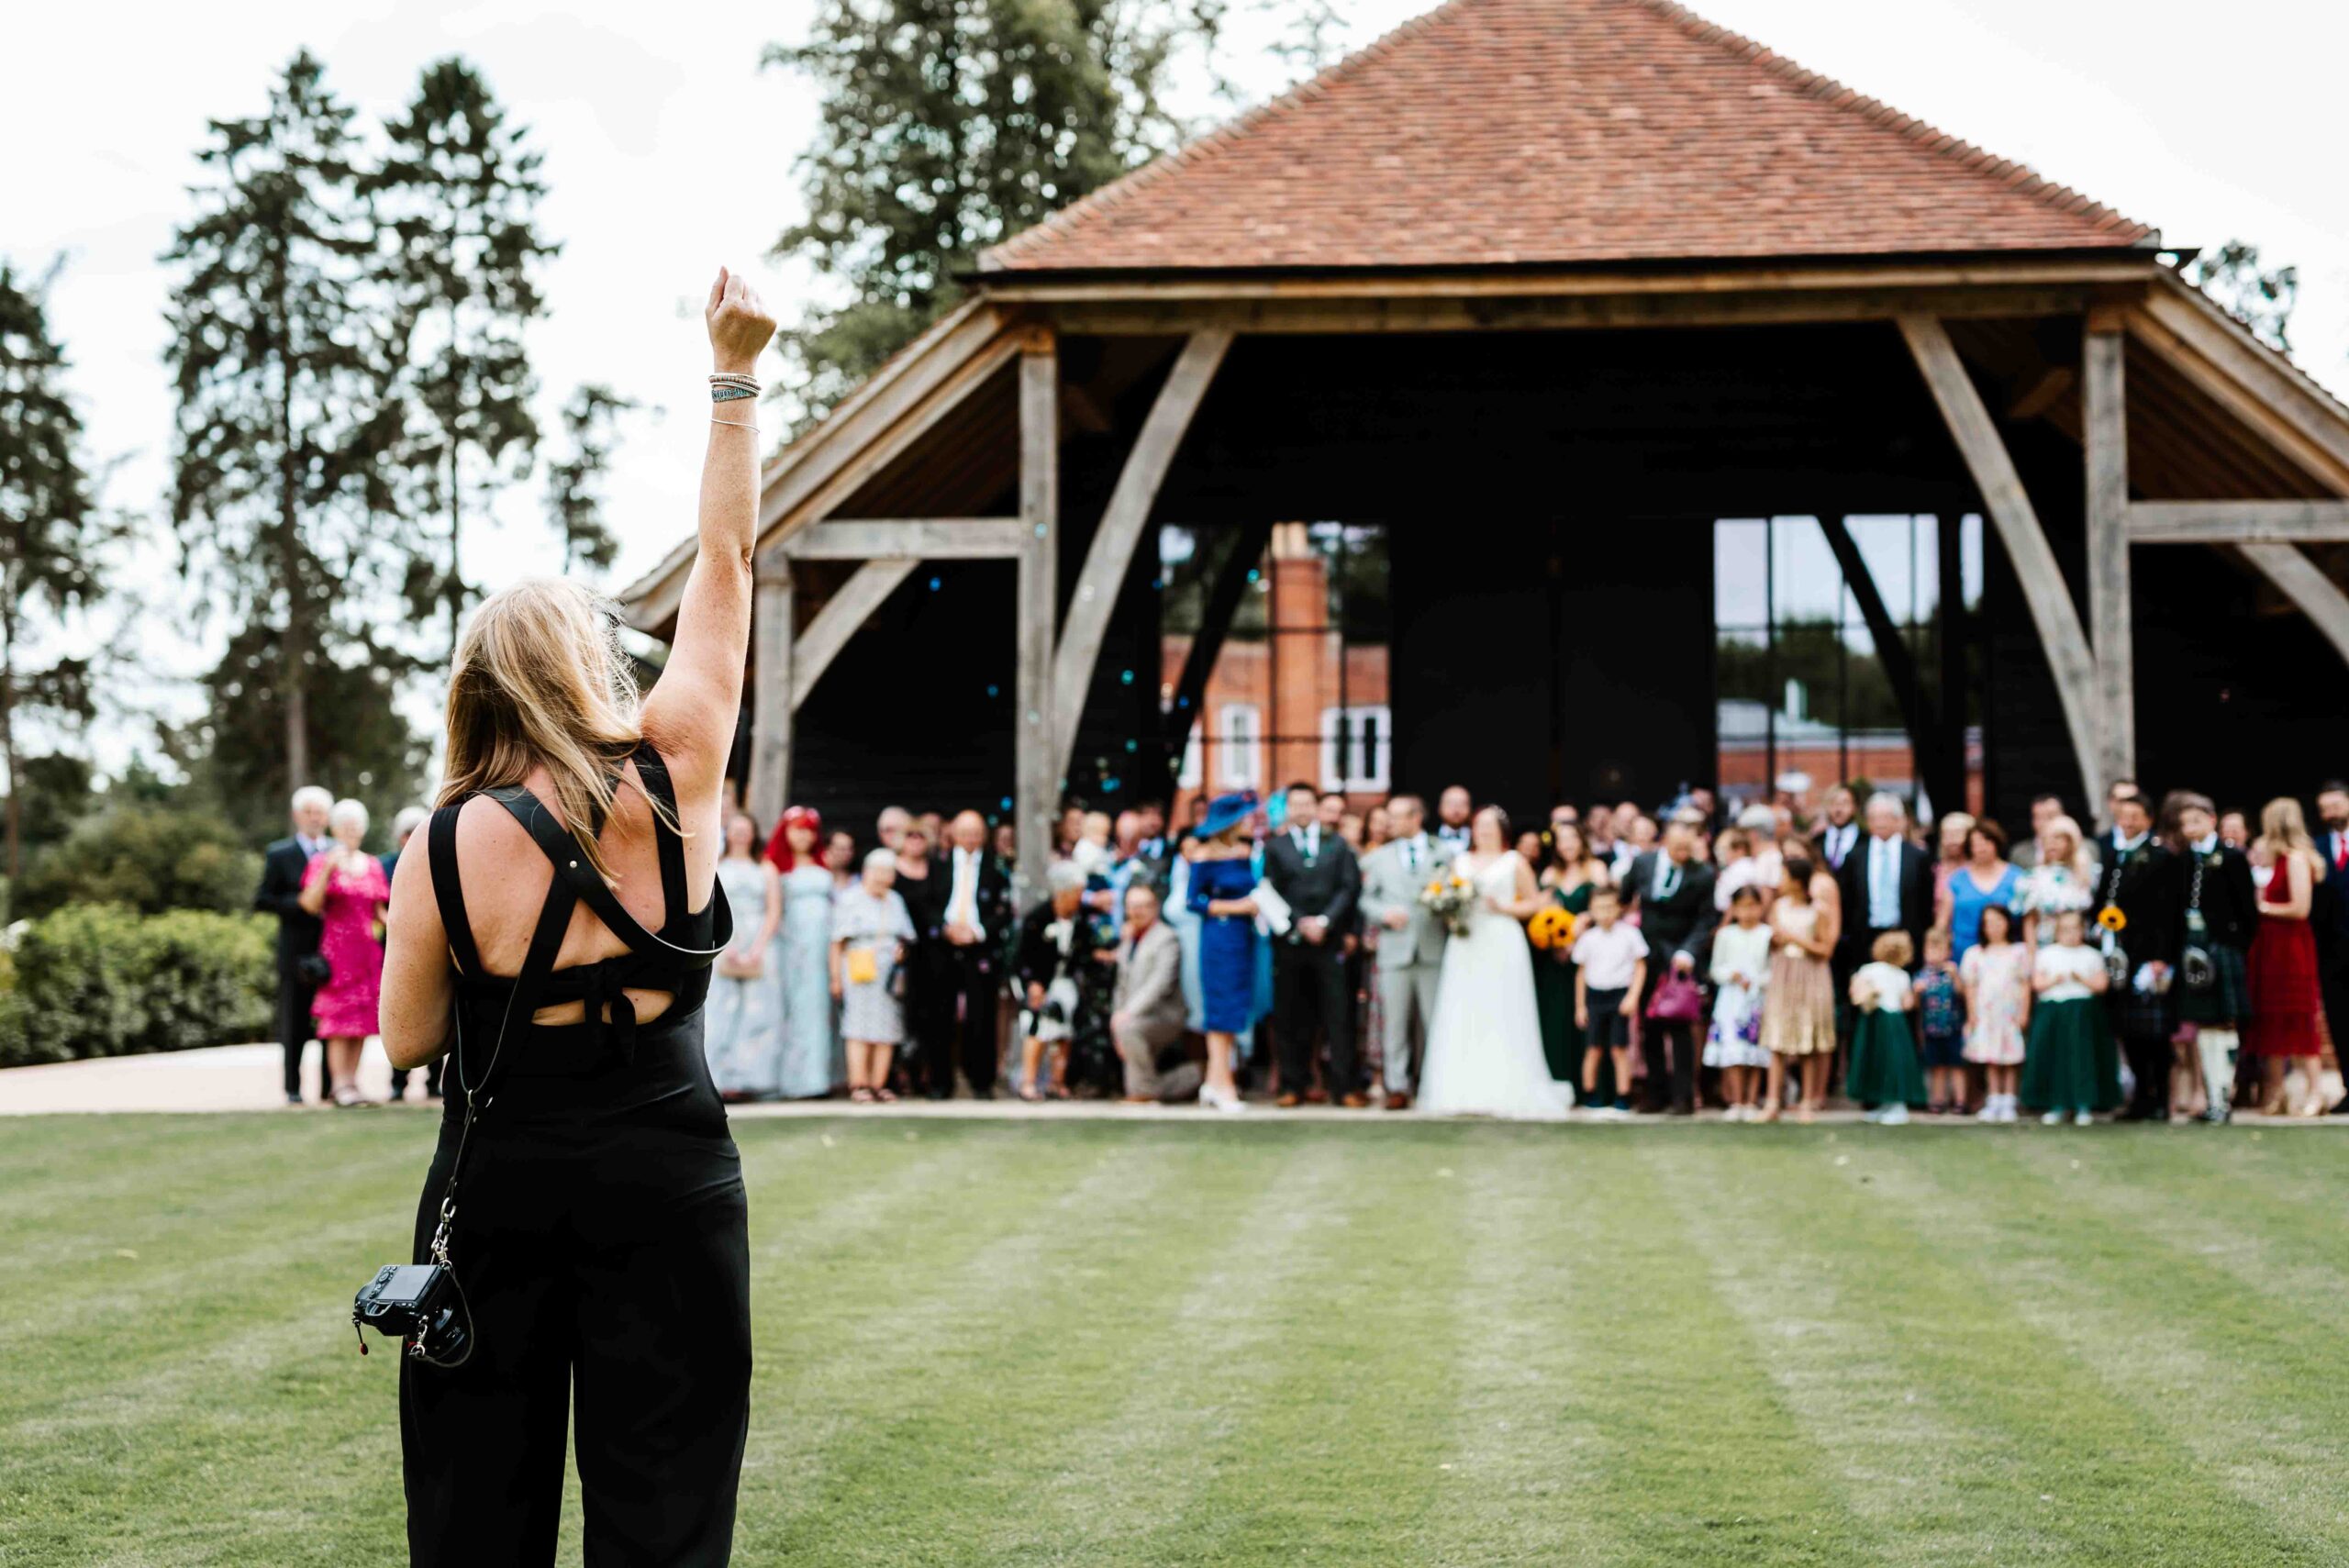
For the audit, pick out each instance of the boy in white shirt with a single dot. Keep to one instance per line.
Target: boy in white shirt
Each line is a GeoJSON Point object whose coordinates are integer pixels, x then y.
{"type": "Point", "coordinates": [1610, 965]}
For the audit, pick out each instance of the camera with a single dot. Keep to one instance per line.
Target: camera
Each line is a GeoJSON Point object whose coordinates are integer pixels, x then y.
{"type": "Point", "coordinates": [417, 1302]}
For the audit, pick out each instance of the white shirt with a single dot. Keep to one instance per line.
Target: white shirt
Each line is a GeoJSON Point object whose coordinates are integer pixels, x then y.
{"type": "Point", "coordinates": [1836, 843]}
{"type": "Point", "coordinates": [311, 848]}
{"type": "Point", "coordinates": [1414, 850]}
{"type": "Point", "coordinates": [1457, 837]}
{"type": "Point", "coordinates": [1307, 840]}
{"type": "Point", "coordinates": [1609, 955]}
{"type": "Point", "coordinates": [2069, 967]}
{"type": "Point", "coordinates": [963, 901]}
{"type": "Point", "coordinates": [1884, 883]}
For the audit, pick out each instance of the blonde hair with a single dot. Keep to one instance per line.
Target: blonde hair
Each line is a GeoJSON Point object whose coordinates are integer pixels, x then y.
{"type": "Point", "coordinates": [541, 680]}
{"type": "Point", "coordinates": [1895, 949]}
{"type": "Point", "coordinates": [2284, 831]}
{"type": "Point", "coordinates": [2079, 863]}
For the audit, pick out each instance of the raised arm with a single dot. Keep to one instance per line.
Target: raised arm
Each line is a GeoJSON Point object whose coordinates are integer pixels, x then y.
{"type": "Point", "coordinates": [690, 710]}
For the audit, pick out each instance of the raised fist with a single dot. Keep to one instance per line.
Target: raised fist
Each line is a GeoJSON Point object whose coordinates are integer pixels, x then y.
{"type": "Point", "coordinates": [739, 325]}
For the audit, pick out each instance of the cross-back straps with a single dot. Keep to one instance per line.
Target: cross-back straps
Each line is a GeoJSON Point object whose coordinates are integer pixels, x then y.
{"type": "Point", "coordinates": [674, 959]}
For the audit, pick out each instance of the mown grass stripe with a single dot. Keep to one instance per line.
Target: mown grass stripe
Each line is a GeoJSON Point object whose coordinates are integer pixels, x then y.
{"type": "Point", "coordinates": [1915, 1471]}
{"type": "Point", "coordinates": [2137, 1453]}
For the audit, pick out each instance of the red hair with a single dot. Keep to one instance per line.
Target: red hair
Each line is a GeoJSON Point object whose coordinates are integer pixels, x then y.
{"type": "Point", "coordinates": [779, 846]}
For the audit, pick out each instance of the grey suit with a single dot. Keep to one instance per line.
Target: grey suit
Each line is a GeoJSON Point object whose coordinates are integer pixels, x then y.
{"type": "Point", "coordinates": [1147, 1014]}
{"type": "Point", "coordinates": [1410, 960]}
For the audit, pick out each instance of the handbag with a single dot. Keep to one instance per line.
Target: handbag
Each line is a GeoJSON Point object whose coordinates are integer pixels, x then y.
{"type": "Point", "coordinates": [863, 968]}
{"type": "Point", "coordinates": [1677, 1000]}
{"type": "Point", "coordinates": [730, 966]}
{"type": "Point", "coordinates": [312, 970]}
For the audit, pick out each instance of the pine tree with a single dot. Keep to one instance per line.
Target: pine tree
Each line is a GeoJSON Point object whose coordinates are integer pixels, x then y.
{"type": "Point", "coordinates": [51, 531]}
{"type": "Point", "coordinates": [949, 125]}
{"type": "Point", "coordinates": [458, 196]}
{"type": "Point", "coordinates": [574, 490]}
{"type": "Point", "coordinates": [279, 367]}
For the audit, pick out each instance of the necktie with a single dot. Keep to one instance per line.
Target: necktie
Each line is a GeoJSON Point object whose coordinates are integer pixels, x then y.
{"type": "Point", "coordinates": [2341, 852]}
{"type": "Point", "coordinates": [1411, 857]}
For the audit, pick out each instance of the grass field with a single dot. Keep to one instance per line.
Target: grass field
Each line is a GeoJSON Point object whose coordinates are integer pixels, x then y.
{"type": "Point", "coordinates": [1095, 1343]}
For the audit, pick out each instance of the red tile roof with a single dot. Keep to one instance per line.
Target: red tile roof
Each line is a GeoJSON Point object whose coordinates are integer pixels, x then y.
{"type": "Point", "coordinates": [1499, 132]}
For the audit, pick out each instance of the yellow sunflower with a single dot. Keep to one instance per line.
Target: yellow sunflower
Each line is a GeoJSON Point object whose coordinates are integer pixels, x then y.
{"type": "Point", "coordinates": [2112, 919]}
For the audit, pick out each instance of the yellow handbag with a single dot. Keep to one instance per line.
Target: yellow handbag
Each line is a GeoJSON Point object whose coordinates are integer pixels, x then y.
{"type": "Point", "coordinates": [863, 968]}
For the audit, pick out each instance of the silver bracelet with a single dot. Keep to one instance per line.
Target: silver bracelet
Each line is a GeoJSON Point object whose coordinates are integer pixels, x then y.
{"type": "Point", "coordinates": [735, 423]}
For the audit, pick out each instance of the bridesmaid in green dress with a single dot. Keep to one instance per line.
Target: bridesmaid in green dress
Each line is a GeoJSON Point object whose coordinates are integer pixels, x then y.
{"type": "Point", "coordinates": [1567, 882]}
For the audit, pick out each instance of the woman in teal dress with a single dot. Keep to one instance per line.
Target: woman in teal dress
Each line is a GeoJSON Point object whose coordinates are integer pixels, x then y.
{"type": "Point", "coordinates": [1567, 881]}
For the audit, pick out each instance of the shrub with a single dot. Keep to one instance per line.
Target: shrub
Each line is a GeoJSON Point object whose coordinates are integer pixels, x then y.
{"type": "Point", "coordinates": [103, 980]}
{"type": "Point", "coordinates": [147, 857]}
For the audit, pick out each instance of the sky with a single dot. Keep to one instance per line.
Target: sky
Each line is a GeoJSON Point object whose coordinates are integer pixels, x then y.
{"type": "Point", "coordinates": [669, 152]}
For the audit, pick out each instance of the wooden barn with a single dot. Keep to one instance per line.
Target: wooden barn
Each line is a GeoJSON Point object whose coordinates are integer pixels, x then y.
{"type": "Point", "coordinates": [1574, 400]}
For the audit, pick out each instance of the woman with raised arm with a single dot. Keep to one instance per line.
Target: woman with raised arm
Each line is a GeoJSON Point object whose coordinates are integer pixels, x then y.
{"type": "Point", "coordinates": [556, 942]}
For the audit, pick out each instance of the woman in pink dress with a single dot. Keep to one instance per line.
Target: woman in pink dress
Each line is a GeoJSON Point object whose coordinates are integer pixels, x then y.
{"type": "Point", "coordinates": [345, 887]}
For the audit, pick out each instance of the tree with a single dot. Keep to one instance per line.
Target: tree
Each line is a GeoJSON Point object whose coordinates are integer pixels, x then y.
{"type": "Point", "coordinates": [367, 750]}
{"type": "Point", "coordinates": [458, 196]}
{"type": "Point", "coordinates": [2259, 298]}
{"type": "Point", "coordinates": [51, 530]}
{"type": "Point", "coordinates": [574, 489]}
{"type": "Point", "coordinates": [949, 125]}
{"type": "Point", "coordinates": [279, 370]}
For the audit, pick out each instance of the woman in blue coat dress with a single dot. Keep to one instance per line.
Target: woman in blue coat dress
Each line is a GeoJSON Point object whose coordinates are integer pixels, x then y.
{"type": "Point", "coordinates": [1223, 875]}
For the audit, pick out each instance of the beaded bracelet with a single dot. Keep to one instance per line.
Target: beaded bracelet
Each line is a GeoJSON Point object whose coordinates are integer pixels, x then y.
{"type": "Point", "coordinates": [730, 394]}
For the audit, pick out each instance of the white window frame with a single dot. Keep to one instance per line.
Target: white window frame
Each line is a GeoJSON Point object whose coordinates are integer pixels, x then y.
{"type": "Point", "coordinates": [1189, 776]}
{"type": "Point", "coordinates": [1338, 770]}
{"type": "Point", "coordinates": [1239, 731]}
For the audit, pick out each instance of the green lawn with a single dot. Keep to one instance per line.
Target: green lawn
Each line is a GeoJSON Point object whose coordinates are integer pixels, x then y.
{"type": "Point", "coordinates": [1095, 1343]}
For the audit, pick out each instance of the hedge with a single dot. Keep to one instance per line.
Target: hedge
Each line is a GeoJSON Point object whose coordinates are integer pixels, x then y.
{"type": "Point", "coordinates": [103, 980]}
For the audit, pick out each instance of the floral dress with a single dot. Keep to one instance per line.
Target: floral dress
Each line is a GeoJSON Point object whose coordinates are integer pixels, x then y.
{"type": "Point", "coordinates": [346, 1004]}
{"type": "Point", "coordinates": [1999, 978]}
{"type": "Point", "coordinates": [1741, 971]}
{"type": "Point", "coordinates": [2049, 891]}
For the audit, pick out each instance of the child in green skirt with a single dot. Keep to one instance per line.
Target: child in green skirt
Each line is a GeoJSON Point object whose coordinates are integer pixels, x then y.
{"type": "Point", "coordinates": [1884, 1074]}
{"type": "Point", "coordinates": [2069, 1068]}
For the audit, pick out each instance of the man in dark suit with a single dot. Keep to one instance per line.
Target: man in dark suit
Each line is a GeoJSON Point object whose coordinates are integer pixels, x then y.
{"type": "Point", "coordinates": [1834, 839]}
{"type": "Point", "coordinates": [2137, 879]}
{"type": "Point", "coordinates": [1887, 885]}
{"type": "Point", "coordinates": [280, 894]}
{"type": "Point", "coordinates": [1673, 891]}
{"type": "Point", "coordinates": [977, 930]}
{"type": "Point", "coordinates": [1316, 873]}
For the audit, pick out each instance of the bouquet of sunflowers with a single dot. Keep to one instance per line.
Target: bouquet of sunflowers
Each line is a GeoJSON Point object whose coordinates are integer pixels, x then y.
{"type": "Point", "coordinates": [1553, 927]}
{"type": "Point", "coordinates": [1451, 898]}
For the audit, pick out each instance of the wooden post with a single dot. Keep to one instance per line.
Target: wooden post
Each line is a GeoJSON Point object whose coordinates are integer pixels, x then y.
{"type": "Point", "coordinates": [1036, 787]}
{"type": "Point", "coordinates": [2106, 441]}
{"type": "Point", "coordinates": [2008, 505]}
{"type": "Point", "coordinates": [1122, 524]}
{"type": "Point", "coordinates": [773, 607]}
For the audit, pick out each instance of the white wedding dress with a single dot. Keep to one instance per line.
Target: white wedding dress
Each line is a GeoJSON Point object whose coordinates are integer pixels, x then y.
{"type": "Point", "coordinates": [1484, 1053]}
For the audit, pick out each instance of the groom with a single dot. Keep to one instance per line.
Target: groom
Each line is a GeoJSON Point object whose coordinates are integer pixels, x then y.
{"type": "Point", "coordinates": [1410, 941]}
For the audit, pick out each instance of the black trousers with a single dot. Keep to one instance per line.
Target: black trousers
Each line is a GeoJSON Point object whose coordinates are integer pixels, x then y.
{"type": "Point", "coordinates": [431, 1079]}
{"type": "Point", "coordinates": [950, 1010]}
{"type": "Point", "coordinates": [296, 1029]}
{"type": "Point", "coordinates": [2149, 1062]}
{"type": "Point", "coordinates": [1657, 1036]}
{"type": "Point", "coordinates": [1309, 987]}
{"type": "Point", "coordinates": [602, 1244]}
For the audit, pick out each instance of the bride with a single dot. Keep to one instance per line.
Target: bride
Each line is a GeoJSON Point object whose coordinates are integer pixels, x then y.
{"type": "Point", "coordinates": [1484, 1053]}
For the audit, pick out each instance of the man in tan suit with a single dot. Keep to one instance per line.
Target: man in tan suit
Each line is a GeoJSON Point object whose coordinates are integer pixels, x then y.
{"type": "Point", "coordinates": [1146, 1010]}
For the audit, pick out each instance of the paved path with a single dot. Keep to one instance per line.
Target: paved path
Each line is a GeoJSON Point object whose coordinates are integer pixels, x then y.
{"type": "Point", "coordinates": [249, 1078]}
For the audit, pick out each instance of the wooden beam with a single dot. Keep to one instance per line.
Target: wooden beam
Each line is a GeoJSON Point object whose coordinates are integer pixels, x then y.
{"type": "Point", "coordinates": [2012, 512]}
{"type": "Point", "coordinates": [773, 606]}
{"type": "Point", "coordinates": [2227, 346]}
{"type": "Point", "coordinates": [2183, 351]}
{"type": "Point", "coordinates": [846, 610]}
{"type": "Point", "coordinates": [2104, 403]}
{"type": "Point", "coordinates": [1010, 284]}
{"type": "Point", "coordinates": [1123, 522]}
{"type": "Point", "coordinates": [2239, 522]}
{"type": "Point", "coordinates": [1036, 782]}
{"type": "Point", "coordinates": [1926, 731]}
{"type": "Point", "coordinates": [2044, 392]}
{"type": "Point", "coordinates": [1153, 315]}
{"type": "Point", "coordinates": [2306, 584]}
{"type": "Point", "coordinates": [909, 538]}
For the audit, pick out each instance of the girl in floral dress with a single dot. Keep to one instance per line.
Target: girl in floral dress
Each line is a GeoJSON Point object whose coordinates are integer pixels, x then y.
{"type": "Point", "coordinates": [1997, 978]}
{"type": "Point", "coordinates": [1741, 975]}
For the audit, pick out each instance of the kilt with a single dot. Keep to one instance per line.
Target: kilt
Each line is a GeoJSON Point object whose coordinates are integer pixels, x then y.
{"type": "Point", "coordinates": [2142, 1014]}
{"type": "Point", "coordinates": [2226, 1000]}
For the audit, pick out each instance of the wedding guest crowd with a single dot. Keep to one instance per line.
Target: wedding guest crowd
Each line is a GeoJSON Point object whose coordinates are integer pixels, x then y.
{"type": "Point", "coordinates": [2174, 963]}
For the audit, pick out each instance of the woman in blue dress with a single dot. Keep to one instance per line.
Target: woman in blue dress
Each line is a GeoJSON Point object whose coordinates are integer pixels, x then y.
{"type": "Point", "coordinates": [1985, 877]}
{"type": "Point", "coordinates": [1223, 875]}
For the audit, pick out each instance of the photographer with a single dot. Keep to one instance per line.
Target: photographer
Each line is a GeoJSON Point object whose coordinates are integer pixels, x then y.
{"type": "Point", "coordinates": [586, 1198]}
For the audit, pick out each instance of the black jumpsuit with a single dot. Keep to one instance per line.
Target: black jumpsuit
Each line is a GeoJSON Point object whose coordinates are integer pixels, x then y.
{"type": "Point", "coordinates": [601, 1239]}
